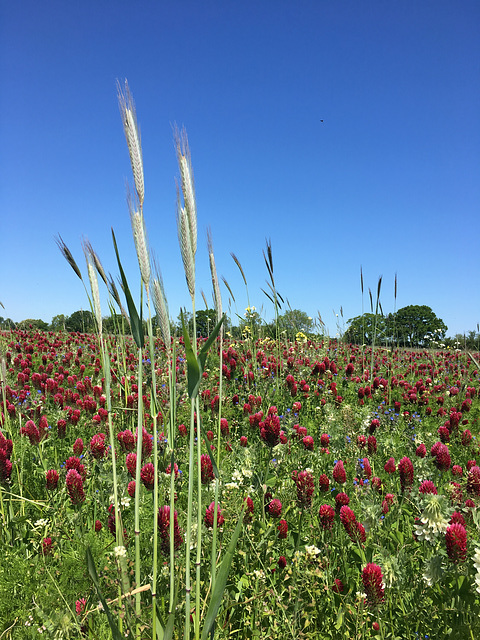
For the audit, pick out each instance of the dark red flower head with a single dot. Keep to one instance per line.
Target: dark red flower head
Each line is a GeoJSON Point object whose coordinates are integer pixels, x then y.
{"type": "Point", "coordinates": [339, 474]}
{"type": "Point", "coordinates": [305, 488]}
{"type": "Point", "coordinates": [405, 469]}
{"type": "Point", "coordinates": [373, 583]}
{"type": "Point", "coordinates": [147, 475]}
{"type": "Point", "coordinates": [456, 542]}
{"type": "Point", "coordinates": [326, 514]}
{"type": "Point", "coordinates": [52, 479]}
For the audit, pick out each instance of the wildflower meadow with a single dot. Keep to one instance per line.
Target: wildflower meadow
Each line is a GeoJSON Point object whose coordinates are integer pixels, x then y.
{"type": "Point", "coordinates": [156, 484]}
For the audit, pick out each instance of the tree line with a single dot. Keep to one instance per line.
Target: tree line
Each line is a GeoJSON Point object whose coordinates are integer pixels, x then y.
{"type": "Point", "coordinates": [411, 326]}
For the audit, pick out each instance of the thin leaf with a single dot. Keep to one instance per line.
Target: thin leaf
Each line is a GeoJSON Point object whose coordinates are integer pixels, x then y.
{"type": "Point", "coordinates": [211, 338]}
{"type": "Point", "coordinates": [271, 299]}
{"type": "Point", "coordinates": [93, 574]}
{"type": "Point", "coordinates": [135, 320]}
{"type": "Point", "coordinates": [221, 579]}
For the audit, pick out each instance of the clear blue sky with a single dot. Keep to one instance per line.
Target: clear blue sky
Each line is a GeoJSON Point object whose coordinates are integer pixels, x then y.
{"type": "Point", "coordinates": [390, 181]}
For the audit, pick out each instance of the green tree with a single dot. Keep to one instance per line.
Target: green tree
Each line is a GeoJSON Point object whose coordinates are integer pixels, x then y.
{"type": "Point", "coordinates": [115, 324]}
{"type": "Point", "coordinates": [6, 324]}
{"type": "Point", "coordinates": [36, 324]}
{"type": "Point", "coordinates": [361, 329]}
{"type": "Point", "coordinates": [293, 321]}
{"type": "Point", "coordinates": [206, 321]}
{"type": "Point", "coordinates": [188, 319]}
{"type": "Point", "coordinates": [416, 326]}
{"type": "Point", "coordinates": [81, 321]}
{"type": "Point", "coordinates": [58, 322]}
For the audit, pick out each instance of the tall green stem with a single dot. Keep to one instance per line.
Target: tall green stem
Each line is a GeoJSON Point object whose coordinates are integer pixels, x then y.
{"type": "Point", "coordinates": [137, 486]}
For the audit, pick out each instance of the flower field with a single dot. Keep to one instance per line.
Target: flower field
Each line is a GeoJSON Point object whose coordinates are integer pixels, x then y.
{"type": "Point", "coordinates": [348, 480]}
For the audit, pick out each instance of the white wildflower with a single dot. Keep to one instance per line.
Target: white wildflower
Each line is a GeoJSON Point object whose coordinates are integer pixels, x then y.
{"type": "Point", "coordinates": [120, 552]}
{"type": "Point", "coordinates": [41, 523]}
{"type": "Point", "coordinates": [312, 550]}
{"type": "Point", "coordinates": [237, 476]}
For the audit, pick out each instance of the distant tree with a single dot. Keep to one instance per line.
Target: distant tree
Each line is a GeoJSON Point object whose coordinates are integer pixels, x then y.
{"type": "Point", "coordinates": [58, 322]}
{"type": "Point", "coordinates": [6, 324]}
{"type": "Point", "coordinates": [206, 321]}
{"type": "Point", "coordinates": [81, 321]}
{"type": "Point", "coordinates": [188, 319]}
{"type": "Point", "coordinates": [470, 340]}
{"type": "Point", "coordinates": [35, 324]}
{"type": "Point", "coordinates": [361, 329]}
{"type": "Point", "coordinates": [115, 324]}
{"type": "Point", "coordinates": [294, 321]}
{"type": "Point", "coordinates": [416, 326]}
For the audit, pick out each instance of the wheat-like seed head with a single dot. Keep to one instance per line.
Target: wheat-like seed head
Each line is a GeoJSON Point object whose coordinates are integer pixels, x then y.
{"type": "Point", "coordinates": [187, 183]}
{"type": "Point", "coordinates": [96, 261]}
{"type": "Point", "coordinates": [184, 237]}
{"type": "Point", "coordinates": [228, 287]}
{"type": "Point", "coordinates": [132, 135]}
{"type": "Point", "coordinates": [92, 276]}
{"type": "Point", "coordinates": [68, 255]}
{"type": "Point", "coordinates": [213, 270]}
{"type": "Point", "coordinates": [141, 246]}
{"type": "Point", "coordinates": [237, 262]}
{"type": "Point", "coordinates": [160, 304]}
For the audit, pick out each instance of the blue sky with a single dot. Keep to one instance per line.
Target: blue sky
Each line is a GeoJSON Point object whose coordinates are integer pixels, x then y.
{"type": "Point", "coordinates": [388, 181]}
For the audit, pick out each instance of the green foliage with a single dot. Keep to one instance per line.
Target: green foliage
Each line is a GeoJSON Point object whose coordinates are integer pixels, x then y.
{"type": "Point", "coordinates": [58, 322]}
{"type": "Point", "coordinates": [80, 321]}
{"type": "Point", "coordinates": [412, 326]}
{"type": "Point", "coordinates": [417, 326]}
{"type": "Point", "coordinates": [205, 321]}
{"type": "Point", "coordinates": [290, 323]}
{"type": "Point", "coordinates": [31, 324]}
{"type": "Point", "coordinates": [6, 324]}
{"type": "Point", "coordinates": [361, 329]}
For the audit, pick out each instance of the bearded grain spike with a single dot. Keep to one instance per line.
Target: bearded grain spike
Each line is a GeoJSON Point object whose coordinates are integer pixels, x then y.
{"type": "Point", "coordinates": [132, 135]}
{"type": "Point", "coordinates": [96, 261]}
{"type": "Point", "coordinates": [213, 270]}
{"type": "Point", "coordinates": [187, 183]}
{"type": "Point", "coordinates": [186, 251]}
{"type": "Point", "coordinates": [228, 287]}
{"type": "Point", "coordinates": [92, 276]}
{"type": "Point", "coordinates": [160, 304]}
{"type": "Point", "coordinates": [67, 255]}
{"type": "Point", "coordinates": [237, 262]}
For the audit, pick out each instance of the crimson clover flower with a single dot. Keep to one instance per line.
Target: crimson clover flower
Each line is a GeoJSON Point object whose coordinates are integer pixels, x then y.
{"type": "Point", "coordinates": [373, 584]}
{"type": "Point", "coordinates": [164, 529]}
{"type": "Point", "coordinates": [147, 475]}
{"type": "Point", "coordinates": [52, 479]}
{"type": "Point", "coordinates": [209, 516]}
{"type": "Point", "coordinates": [390, 466]}
{"type": "Point", "coordinates": [206, 469]}
{"type": "Point", "coordinates": [97, 446]}
{"type": "Point", "coordinates": [326, 514]}
{"type": "Point", "coordinates": [323, 483]}
{"type": "Point", "coordinates": [456, 542]}
{"type": "Point", "coordinates": [275, 508]}
{"type": "Point", "coordinates": [75, 487]}
{"type": "Point", "coordinates": [282, 529]}
{"type": "Point", "coordinates": [405, 469]}
{"type": "Point", "coordinates": [339, 474]}
{"type": "Point", "coordinates": [305, 488]}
